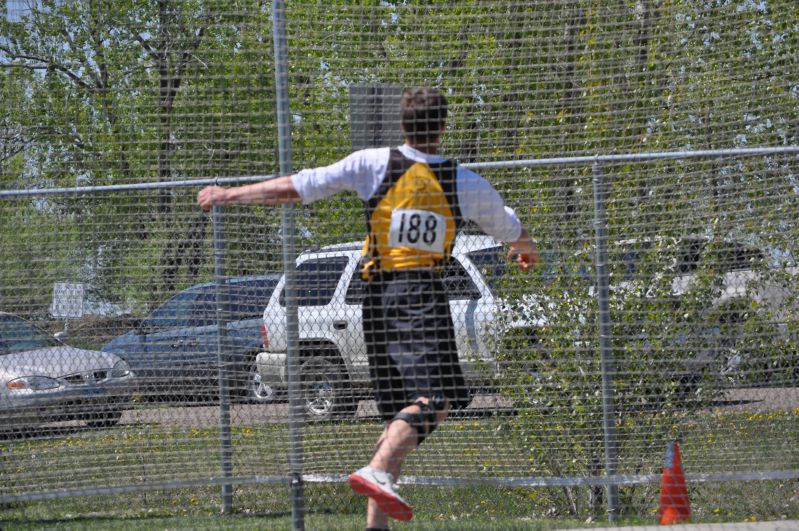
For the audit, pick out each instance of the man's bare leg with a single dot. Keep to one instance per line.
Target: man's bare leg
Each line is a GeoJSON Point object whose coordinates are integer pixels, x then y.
{"type": "Point", "coordinates": [395, 443]}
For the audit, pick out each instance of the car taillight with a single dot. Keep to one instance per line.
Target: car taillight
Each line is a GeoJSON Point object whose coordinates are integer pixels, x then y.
{"type": "Point", "coordinates": [265, 337]}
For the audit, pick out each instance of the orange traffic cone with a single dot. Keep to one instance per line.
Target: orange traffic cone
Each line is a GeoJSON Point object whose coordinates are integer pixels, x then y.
{"type": "Point", "coordinates": [674, 506]}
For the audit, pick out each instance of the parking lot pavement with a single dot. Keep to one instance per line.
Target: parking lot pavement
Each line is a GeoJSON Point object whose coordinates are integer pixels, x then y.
{"type": "Point", "coordinates": [761, 399]}
{"type": "Point", "coordinates": [757, 400]}
{"type": "Point", "coordinates": [202, 416]}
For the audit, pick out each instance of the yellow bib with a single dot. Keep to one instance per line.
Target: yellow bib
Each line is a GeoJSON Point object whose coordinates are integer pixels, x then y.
{"type": "Point", "coordinates": [413, 217]}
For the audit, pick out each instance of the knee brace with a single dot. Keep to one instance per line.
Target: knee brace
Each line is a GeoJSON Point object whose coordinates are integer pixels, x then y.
{"type": "Point", "coordinates": [425, 421]}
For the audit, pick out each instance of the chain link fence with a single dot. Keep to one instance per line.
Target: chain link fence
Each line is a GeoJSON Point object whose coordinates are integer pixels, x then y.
{"type": "Point", "coordinates": [665, 306]}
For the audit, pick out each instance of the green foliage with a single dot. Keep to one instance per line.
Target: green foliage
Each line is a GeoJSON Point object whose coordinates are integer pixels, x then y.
{"type": "Point", "coordinates": [677, 341]}
{"type": "Point", "coordinates": [121, 92]}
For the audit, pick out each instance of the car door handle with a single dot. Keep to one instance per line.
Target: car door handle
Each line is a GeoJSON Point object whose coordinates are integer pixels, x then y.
{"type": "Point", "coordinates": [340, 325]}
{"type": "Point", "coordinates": [185, 343]}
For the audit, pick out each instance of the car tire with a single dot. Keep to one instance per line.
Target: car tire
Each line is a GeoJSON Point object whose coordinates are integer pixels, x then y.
{"type": "Point", "coordinates": [257, 391]}
{"type": "Point", "coordinates": [326, 393]}
{"type": "Point", "coordinates": [104, 419]}
{"type": "Point", "coordinates": [721, 349]}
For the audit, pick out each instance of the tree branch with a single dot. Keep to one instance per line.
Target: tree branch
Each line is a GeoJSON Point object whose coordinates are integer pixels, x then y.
{"type": "Point", "coordinates": [42, 63]}
{"type": "Point", "coordinates": [145, 44]}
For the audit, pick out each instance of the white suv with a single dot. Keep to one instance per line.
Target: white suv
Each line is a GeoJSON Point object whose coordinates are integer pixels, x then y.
{"type": "Point", "coordinates": [333, 365]}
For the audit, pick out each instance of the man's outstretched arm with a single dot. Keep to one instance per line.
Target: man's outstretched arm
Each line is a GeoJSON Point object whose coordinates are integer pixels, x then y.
{"type": "Point", "coordinates": [276, 191]}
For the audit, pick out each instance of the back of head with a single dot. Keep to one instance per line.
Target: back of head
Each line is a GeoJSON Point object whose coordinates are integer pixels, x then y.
{"type": "Point", "coordinates": [423, 112]}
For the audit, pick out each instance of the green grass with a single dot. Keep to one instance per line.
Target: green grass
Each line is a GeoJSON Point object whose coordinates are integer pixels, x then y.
{"type": "Point", "coordinates": [491, 447]}
{"type": "Point", "coordinates": [256, 522]}
{"type": "Point", "coordinates": [449, 508]}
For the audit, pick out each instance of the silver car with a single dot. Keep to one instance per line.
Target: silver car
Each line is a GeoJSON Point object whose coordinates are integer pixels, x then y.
{"type": "Point", "coordinates": [42, 380]}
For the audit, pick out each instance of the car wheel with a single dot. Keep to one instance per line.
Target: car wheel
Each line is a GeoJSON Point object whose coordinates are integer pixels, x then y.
{"type": "Point", "coordinates": [104, 419]}
{"type": "Point", "coordinates": [326, 393]}
{"type": "Point", "coordinates": [259, 391]}
{"type": "Point", "coordinates": [723, 354]}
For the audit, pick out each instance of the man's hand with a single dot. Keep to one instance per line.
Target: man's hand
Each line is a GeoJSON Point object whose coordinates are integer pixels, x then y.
{"type": "Point", "coordinates": [210, 196]}
{"type": "Point", "coordinates": [524, 252]}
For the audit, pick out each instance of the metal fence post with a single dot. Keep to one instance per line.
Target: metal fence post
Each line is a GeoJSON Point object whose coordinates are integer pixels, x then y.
{"type": "Point", "coordinates": [290, 291]}
{"type": "Point", "coordinates": [225, 445]}
{"type": "Point", "coordinates": [605, 346]}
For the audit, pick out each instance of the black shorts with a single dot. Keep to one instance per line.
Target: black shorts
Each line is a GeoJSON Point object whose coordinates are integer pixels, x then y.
{"type": "Point", "coordinates": [410, 341]}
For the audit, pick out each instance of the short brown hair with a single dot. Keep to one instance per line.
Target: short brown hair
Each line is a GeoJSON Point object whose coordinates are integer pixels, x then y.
{"type": "Point", "coordinates": [423, 112]}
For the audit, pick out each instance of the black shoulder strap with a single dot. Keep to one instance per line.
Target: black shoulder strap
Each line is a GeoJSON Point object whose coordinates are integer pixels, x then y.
{"type": "Point", "coordinates": [447, 173]}
{"type": "Point", "coordinates": [398, 164]}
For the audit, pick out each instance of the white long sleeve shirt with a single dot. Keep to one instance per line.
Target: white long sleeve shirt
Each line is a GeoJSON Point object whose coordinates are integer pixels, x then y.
{"type": "Point", "coordinates": [363, 171]}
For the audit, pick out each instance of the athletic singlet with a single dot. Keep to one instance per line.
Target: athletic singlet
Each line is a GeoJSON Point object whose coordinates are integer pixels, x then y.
{"type": "Point", "coordinates": [413, 216]}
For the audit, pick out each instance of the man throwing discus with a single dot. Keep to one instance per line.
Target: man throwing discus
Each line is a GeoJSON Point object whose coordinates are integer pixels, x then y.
{"type": "Point", "coordinates": [414, 200]}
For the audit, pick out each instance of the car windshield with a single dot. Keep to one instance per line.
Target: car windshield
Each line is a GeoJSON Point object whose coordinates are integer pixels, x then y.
{"type": "Point", "coordinates": [188, 308]}
{"type": "Point", "coordinates": [491, 263]}
{"type": "Point", "coordinates": [197, 306]}
{"type": "Point", "coordinates": [16, 335]}
{"type": "Point", "coordinates": [248, 299]}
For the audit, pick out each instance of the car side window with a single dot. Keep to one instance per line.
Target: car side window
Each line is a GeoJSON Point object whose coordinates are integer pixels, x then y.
{"type": "Point", "coordinates": [164, 315]}
{"type": "Point", "coordinates": [735, 257]}
{"type": "Point", "coordinates": [690, 254]}
{"type": "Point", "coordinates": [202, 311]}
{"type": "Point", "coordinates": [355, 291]}
{"type": "Point", "coordinates": [317, 281]}
{"type": "Point", "coordinates": [458, 284]}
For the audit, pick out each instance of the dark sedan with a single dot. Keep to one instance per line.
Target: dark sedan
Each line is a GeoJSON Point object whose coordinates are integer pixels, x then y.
{"type": "Point", "coordinates": [175, 350]}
